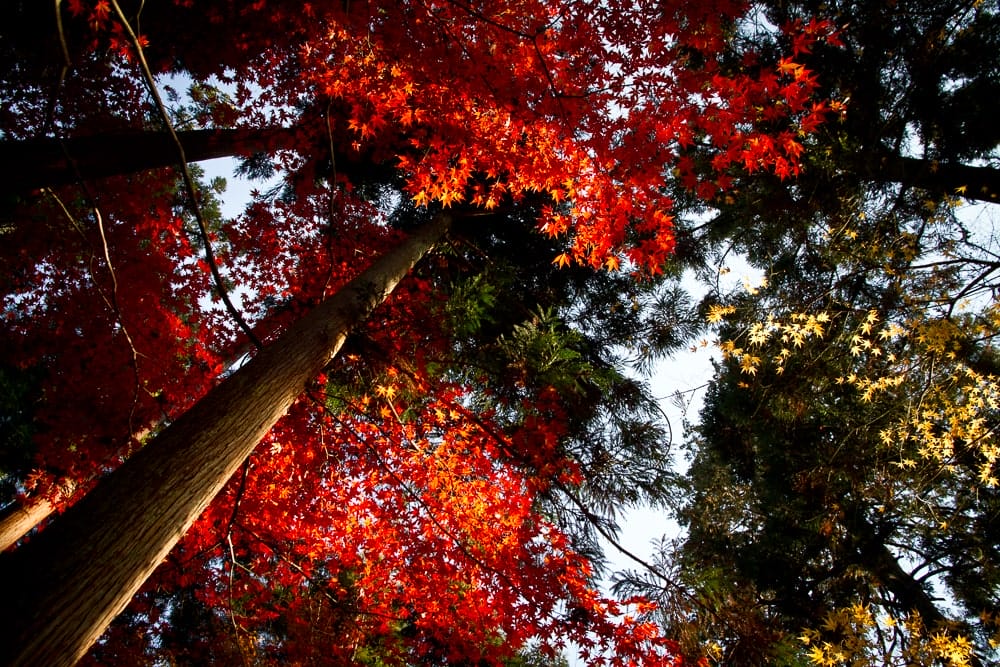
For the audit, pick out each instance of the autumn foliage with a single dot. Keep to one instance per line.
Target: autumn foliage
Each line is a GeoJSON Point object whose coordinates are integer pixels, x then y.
{"type": "Point", "coordinates": [398, 510]}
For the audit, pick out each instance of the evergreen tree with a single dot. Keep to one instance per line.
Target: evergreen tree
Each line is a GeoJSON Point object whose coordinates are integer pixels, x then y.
{"type": "Point", "coordinates": [842, 469]}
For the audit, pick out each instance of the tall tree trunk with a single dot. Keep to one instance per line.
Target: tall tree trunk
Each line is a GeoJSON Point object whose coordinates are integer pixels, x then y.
{"type": "Point", "coordinates": [875, 557]}
{"type": "Point", "coordinates": [47, 162]}
{"type": "Point", "coordinates": [62, 588]}
{"type": "Point", "coordinates": [24, 514]}
{"type": "Point", "coordinates": [37, 163]}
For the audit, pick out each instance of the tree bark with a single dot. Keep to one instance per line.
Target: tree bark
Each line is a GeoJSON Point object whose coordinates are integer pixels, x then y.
{"type": "Point", "coordinates": [978, 183]}
{"type": "Point", "coordinates": [38, 163]}
{"type": "Point", "coordinates": [25, 514]}
{"type": "Point", "coordinates": [875, 557]}
{"type": "Point", "coordinates": [62, 588]}
{"type": "Point", "coordinates": [20, 517]}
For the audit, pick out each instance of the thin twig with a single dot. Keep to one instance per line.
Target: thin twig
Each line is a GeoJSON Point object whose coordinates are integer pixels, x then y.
{"type": "Point", "coordinates": [62, 35]}
{"type": "Point", "coordinates": [240, 491]}
{"type": "Point", "coordinates": [50, 114]}
{"type": "Point", "coordinates": [331, 203]}
{"type": "Point", "coordinates": [189, 184]}
{"type": "Point", "coordinates": [232, 612]}
{"type": "Point", "coordinates": [112, 303]}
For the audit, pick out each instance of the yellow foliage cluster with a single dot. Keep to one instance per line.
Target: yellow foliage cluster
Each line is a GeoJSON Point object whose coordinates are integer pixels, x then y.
{"type": "Point", "coordinates": [955, 418]}
{"type": "Point", "coordinates": [854, 637]}
{"type": "Point", "coordinates": [951, 409]}
{"type": "Point", "coordinates": [992, 622]}
{"type": "Point", "coordinates": [792, 332]}
{"type": "Point", "coordinates": [869, 341]}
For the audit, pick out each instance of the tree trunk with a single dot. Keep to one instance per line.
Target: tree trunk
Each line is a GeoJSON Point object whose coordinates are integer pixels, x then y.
{"type": "Point", "coordinates": [22, 516]}
{"type": "Point", "coordinates": [978, 183]}
{"type": "Point", "coordinates": [62, 588]}
{"type": "Point", "coordinates": [38, 163]}
{"type": "Point", "coordinates": [876, 557]}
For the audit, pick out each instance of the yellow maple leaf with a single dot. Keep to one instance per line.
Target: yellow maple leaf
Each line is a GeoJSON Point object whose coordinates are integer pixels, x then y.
{"type": "Point", "coordinates": [748, 364]}
{"type": "Point", "coordinates": [717, 312]}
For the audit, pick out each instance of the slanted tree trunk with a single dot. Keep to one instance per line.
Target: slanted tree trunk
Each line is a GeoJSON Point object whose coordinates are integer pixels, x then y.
{"type": "Point", "coordinates": [62, 588]}
{"type": "Point", "coordinates": [48, 162]}
{"type": "Point", "coordinates": [20, 517]}
{"type": "Point", "coordinates": [875, 557]}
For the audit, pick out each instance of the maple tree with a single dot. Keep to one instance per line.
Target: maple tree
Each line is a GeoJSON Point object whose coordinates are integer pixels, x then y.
{"type": "Point", "coordinates": [410, 501]}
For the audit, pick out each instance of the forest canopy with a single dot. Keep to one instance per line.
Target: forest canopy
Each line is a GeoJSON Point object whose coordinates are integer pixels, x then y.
{"type": "Point", "coordinates": [392, 411]}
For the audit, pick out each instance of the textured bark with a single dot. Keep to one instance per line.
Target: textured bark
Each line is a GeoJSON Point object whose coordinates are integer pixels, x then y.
{"type": "Point", "coordinates": [22, 516]}
{"type": "Point", "coordinates": [875, 556]}
{"type": "Point", "coordinates": [62, 588]}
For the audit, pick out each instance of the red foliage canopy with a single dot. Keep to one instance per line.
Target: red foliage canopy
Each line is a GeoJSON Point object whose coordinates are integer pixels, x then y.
{"type": "Point", "coordinates": [396, 510]}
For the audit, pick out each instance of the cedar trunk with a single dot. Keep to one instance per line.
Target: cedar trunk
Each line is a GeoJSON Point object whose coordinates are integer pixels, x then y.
{"type": "Point", "coordinates": [48, 162]}
{"type": "Point", "coordinates": [910, 594]}
{"type": "Point", "coordinates": [37, 163]}
{"type": "Point", "coordinates": [23, 515]}
{"type": "Point", "coordinates": [62, 588]}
